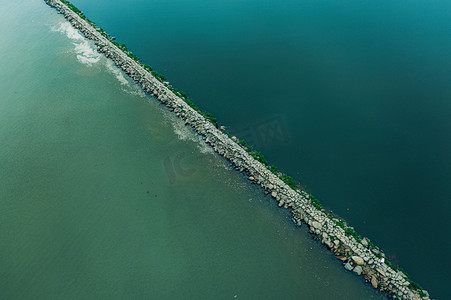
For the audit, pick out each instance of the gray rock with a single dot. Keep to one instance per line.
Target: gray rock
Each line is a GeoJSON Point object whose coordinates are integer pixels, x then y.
{"type": "Point", "coordinates": [327, 243]}
{"type": "Point", "coordinates": [358, 260]}
{"type": "Point", "coordinates": [348, 267]}
{"type": "Point", "coordinates": [381, 271]}
{"type": "Point", "coordinates": [358, 270]}
{"type": "Point", "coordinates": [317, 225]}
{"type": "Point", "coordinates": [374, 282]}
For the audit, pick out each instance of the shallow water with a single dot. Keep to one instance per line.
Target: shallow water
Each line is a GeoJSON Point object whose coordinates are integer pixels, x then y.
{"type": "Point", "coordinates": [352, 99]}
{"type": "Point", "coordinates": [105, 194]}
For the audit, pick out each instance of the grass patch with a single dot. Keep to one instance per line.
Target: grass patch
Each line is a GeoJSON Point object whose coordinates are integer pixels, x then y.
{"type": "Point", "coordinates": [315, 202]}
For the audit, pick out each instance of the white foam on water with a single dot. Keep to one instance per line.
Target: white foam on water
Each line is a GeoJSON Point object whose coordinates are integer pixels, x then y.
{"type": "Point", "coordinates": [204, 147]}
{"type": "Point", "coordinates": [127, 84]}
{"type": "Point", "coordinates": [185, 133]}
{"type": "Point", "coordinates": [86, 53]}
{"type": "Point", "coordinates": [116, 72]}
{"type": "Point", "coordinates": [68, 30]}
{"type": "Point", "coordinates": [136, 91]}
{"type": "Point", "coordinates": [182, 131]}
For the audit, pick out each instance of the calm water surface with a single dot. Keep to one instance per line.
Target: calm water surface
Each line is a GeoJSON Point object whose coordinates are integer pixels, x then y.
{"type": "Point", "coordinates": [361, 90]}
{"type": "Point", "coordinates": [104, 194]}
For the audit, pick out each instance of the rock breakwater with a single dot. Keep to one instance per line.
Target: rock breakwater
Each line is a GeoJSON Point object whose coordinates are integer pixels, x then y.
{"type": "Point", "coordinates": [357, 254]}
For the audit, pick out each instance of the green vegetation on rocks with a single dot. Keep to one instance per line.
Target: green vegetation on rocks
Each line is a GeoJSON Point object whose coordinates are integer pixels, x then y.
{"type": "Point", "coordinates": [315, 202]}
{"type": "Point", "coordinates": [289, 181]}
{"type": "Point", "coordinates": [74, 9]}
{"type": "Point", "coordinates": [158, 76]}
{"type": "Point", "coordinates": [147, 67]}
{"type": "Point", "coordinates": [259, 156]}
{"type": "Point", "coordinates": [351, 232]}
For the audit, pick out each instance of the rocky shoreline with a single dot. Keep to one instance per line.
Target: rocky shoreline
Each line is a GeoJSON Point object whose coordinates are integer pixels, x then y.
{"type": "Point", "coordinates": [358, 255]}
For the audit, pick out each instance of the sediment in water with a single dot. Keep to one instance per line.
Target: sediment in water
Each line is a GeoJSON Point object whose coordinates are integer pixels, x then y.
{"type": "Point", "coordinates": [354, 254]}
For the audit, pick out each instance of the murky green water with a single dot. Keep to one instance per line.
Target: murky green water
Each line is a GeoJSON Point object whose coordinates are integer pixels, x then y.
{"type": "Point", "coordinates": [105, 195]}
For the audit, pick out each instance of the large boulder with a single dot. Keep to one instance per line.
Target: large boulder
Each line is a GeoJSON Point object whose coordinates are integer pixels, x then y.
{"type": "Point", "coordinates": [317, 225]}
{"type": "Point", "coordinates": [348, 267]}
{"type": "Point", "coordinates": [358, 260]}
{"type": "Point", "coordinates": [381, 271]}
{"type": "Point", "coordinates": [358, 270]}
{"type": "Point", "coordinates": [374, 282]}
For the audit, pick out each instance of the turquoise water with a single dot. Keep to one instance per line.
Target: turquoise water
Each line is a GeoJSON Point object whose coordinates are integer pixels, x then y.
{"type": "Point", "coordinates": [358, 94]}
{"type": "Point", "coordinates": [104, 194]}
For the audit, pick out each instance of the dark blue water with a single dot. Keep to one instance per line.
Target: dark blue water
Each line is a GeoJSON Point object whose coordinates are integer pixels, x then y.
{"type": "Point", "coordinates": [358, 95]}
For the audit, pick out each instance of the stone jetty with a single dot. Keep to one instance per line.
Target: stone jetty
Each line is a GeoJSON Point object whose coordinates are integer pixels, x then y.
{"type": "Point", "coordinates": [355, 254]}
